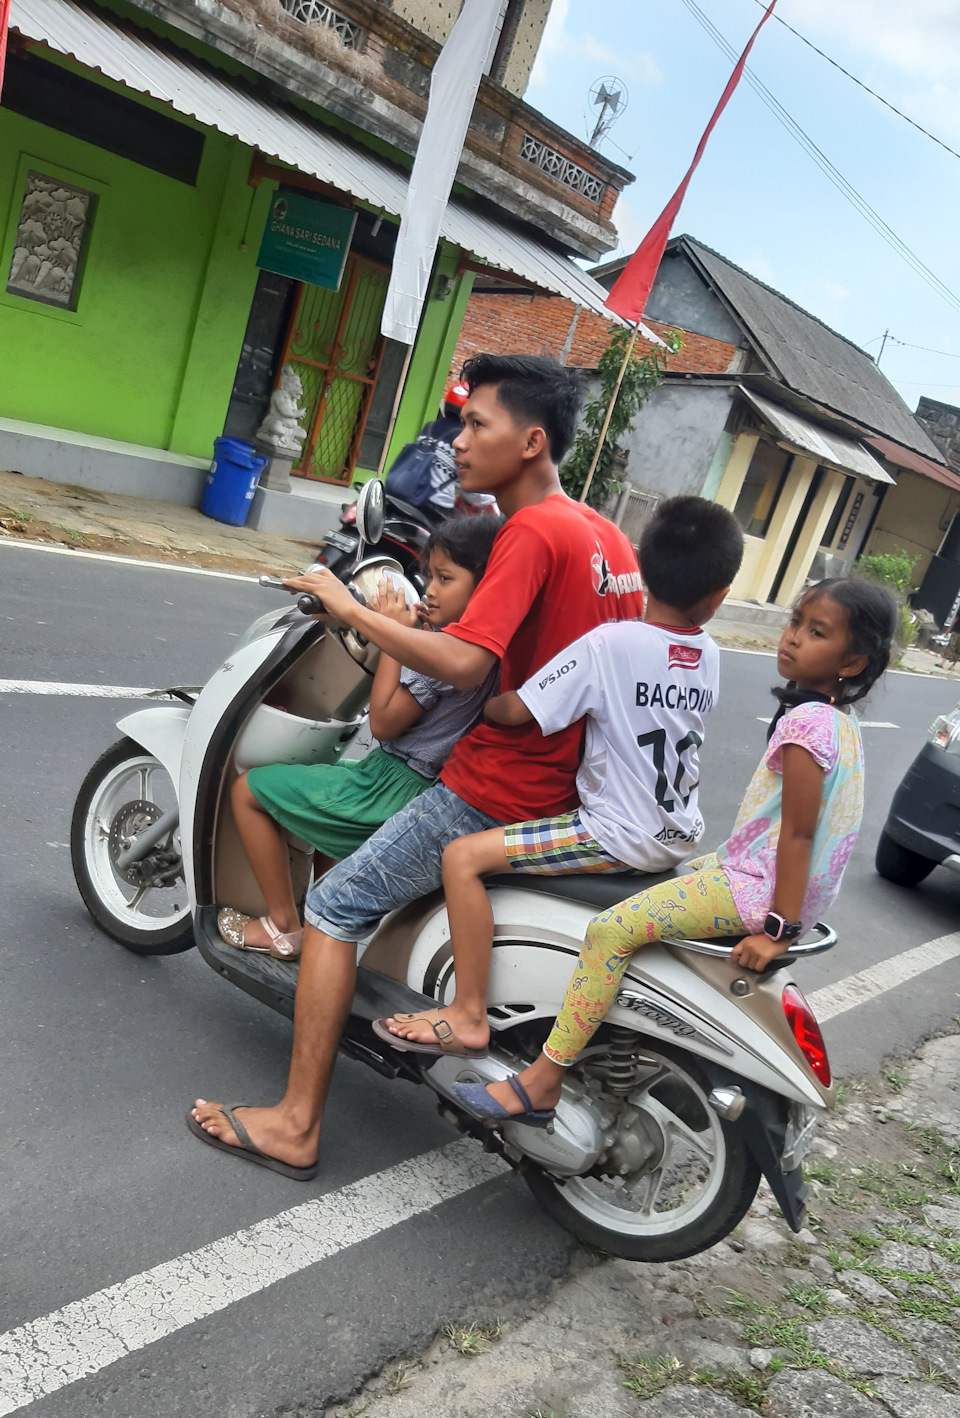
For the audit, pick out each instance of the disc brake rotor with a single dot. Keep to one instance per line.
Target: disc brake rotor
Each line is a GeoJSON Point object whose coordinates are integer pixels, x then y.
{"type": "Point", "coordinates": [129, 821]}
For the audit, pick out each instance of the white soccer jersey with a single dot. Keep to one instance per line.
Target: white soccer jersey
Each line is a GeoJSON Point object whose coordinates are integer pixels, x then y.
{"type": "Point", "coordinates": [645, 691]}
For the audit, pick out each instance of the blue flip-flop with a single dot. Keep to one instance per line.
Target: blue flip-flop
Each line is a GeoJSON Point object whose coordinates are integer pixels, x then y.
{"type": "Point", "coordinates": [475, 1097]}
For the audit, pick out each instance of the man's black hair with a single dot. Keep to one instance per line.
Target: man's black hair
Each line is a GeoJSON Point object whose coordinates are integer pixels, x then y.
{"type": "Point", "coordinates": [468, 541]}
{"type": "Point", "coordinates": [689, 549]}
{"type": "Point", "coordinates": [535, 390]}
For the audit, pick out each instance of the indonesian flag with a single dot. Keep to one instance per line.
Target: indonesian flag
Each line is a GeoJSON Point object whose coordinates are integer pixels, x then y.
{"type": "Point", "coordinates": [4, 23]}
{"type": "Point", "coordinates": [453, 91]}
{"type": "Point", "coordinates": [629, 295]}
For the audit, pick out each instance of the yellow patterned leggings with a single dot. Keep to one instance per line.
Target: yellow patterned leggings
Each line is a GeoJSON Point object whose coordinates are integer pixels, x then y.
{"type": "Point", "coordinates": [699, 904]}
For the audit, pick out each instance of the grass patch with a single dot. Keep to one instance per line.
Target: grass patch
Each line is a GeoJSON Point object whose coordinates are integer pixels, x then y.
{"type": "Point", "coordinates": [473, 1339]}
{"type": "Point", "coordinates": [821, 1172]}
{"type": "Point", "coordinates": [648, 1377]}
{"type": "Point", "coordinates": [740, 1304]}
{"type": "Point", "coordinates": [749, 1388]}
{"type": "Point", "coordinates": [924, 1307]}
{"type": "Point", "coordinates": [400, 1380]}
{"type": "Point", "coordinates": [808, 1297]}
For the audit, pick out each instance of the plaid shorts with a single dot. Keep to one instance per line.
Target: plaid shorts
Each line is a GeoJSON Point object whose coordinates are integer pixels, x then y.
{"type": "Point", "coordinates": [552, 846]}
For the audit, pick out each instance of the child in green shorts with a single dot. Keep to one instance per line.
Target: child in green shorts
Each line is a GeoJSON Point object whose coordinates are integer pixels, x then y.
{"type": "Point", "coordinates": [337, 806]}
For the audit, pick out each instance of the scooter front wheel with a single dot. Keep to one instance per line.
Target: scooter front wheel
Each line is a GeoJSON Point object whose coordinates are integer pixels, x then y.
{"type": "Point", "coordinates": [144, 906]}
{"type": "Point", "coordinates": [676, 1178]}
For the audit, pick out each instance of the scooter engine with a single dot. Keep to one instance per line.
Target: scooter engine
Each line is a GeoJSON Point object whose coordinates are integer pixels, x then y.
{"type": "Point", "coordinates": [580, 1133]}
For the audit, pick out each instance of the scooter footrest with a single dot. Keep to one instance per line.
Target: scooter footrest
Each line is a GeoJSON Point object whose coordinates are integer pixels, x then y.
{"type": "Point", "coordinates": [378, 996]}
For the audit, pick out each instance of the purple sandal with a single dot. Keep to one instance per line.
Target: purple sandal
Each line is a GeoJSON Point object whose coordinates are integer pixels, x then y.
{"type": "Point", "coordinates": [475, 1097]}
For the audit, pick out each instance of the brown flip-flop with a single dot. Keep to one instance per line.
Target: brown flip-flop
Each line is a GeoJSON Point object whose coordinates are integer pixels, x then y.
{"type": "Point", "coordinates": [447, 1041]}
{"type": "Point", "coordinates": [249, 1150]}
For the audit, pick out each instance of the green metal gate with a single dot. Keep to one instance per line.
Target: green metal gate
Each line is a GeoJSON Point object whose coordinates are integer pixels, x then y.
{"type": "Point", "coordinates": [334, 344]}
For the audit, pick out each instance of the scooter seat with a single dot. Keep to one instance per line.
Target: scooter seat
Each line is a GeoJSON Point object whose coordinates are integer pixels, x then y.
{"type": "Point", "coordinates": [600, 889]}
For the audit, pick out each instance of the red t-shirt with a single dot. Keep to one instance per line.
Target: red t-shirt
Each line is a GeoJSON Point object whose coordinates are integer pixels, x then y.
{"type": "Point", "coordinates": [556, 570]}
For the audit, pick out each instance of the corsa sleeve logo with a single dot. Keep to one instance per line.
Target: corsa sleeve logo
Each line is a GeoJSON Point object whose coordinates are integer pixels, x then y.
{"type": "Point", "coordinates": [684, 657]}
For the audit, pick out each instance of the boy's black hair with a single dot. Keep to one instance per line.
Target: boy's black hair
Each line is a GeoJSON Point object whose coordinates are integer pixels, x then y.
{"type": "Point", "coordinates": [689, 549]}
{"type": "Point", "coordinates": [532, 388]}
{"type": "Point", "coordinates": [468, 541]}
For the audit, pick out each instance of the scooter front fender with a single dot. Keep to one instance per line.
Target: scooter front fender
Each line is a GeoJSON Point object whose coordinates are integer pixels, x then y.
{"type": "Point", "coordinates": [161, 731]}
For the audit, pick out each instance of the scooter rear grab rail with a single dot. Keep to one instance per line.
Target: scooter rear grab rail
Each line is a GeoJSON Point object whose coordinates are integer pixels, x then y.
{"type": "Point", "coordinates": [798, 950]}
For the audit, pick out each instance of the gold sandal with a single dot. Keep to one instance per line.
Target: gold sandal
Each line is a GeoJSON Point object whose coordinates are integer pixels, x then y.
{"type": "Point", "coordinates": [232, 925]}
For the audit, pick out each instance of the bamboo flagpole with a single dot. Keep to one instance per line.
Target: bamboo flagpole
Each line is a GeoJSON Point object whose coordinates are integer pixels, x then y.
{"type": "Point", "coordinates": [610, 408]}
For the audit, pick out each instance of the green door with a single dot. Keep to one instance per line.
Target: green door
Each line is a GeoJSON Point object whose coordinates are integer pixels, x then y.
{"type": "Point", "coordinates": [334, 344]}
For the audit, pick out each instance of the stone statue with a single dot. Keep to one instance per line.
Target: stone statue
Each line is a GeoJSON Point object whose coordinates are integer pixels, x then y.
{"type": "Point", "coordinates": [281, 429]}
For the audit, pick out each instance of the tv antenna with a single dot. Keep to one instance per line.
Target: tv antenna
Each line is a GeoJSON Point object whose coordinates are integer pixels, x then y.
{"type": "Point", "coordinates": [610, 96]}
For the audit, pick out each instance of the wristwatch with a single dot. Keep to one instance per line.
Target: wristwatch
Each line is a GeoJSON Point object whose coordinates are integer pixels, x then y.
{"type": "Point", "coordinates": [778, 928]}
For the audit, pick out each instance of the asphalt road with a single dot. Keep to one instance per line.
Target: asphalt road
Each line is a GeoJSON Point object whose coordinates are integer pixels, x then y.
{"type": "Point", "coordinates": [101, 1051]}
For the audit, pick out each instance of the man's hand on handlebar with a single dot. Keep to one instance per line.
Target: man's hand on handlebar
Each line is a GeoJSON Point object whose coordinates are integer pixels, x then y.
{"type": "Point", "coordinates": [337, 600]}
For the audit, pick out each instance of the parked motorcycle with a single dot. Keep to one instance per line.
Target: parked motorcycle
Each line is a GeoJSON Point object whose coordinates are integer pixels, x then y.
{"type": "Point", "coordinates": [405, 532]}
{"type": "Point", "coordinates": [703, 1077]}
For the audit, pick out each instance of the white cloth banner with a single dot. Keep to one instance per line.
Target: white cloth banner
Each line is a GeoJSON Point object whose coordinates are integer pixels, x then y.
{"type": "Point", "coordinates": [453, 91]}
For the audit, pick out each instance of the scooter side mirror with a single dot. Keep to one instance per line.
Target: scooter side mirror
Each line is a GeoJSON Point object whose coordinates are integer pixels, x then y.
{"type": "Point", "coordinates": [370, 512]}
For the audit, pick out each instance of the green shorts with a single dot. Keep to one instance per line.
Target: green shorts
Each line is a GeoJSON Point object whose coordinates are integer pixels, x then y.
{"type": "Point", "coordinates": [336, 806]}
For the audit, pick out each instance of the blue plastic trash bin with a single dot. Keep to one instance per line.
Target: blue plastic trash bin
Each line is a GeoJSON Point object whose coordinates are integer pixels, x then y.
{"type": "Point", "coordinates": [231, 481]}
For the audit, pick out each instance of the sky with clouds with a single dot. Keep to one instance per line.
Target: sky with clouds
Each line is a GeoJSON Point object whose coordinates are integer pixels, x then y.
{"type": "Point", "coordinates": [757, 197]}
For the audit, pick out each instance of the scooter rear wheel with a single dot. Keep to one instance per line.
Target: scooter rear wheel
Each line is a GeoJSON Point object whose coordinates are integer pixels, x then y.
{"type": "Point", "coordinates": [696, 1182]}
{"type": "Point", "coordinates": [145, 908]}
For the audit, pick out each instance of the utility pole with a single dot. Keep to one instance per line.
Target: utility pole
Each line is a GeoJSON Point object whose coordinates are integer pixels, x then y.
{"type": "Point", "coordinates": [883, 344]}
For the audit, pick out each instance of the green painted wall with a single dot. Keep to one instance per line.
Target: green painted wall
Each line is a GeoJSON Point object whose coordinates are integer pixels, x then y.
{"type": "Point", "coordinates": [150, 355]}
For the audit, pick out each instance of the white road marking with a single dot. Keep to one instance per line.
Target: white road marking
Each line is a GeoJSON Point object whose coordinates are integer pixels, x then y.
{"type": "Point", "coordinates": [864, 723]}
{"type": "Point", "coordinates": [81, 691]}
{"type": "Point", "coordinates": [885, 975]}
{"type": "Point", "coordinates": [47, 1354]}
{"type": "Point", "coordinates": [123, 560]}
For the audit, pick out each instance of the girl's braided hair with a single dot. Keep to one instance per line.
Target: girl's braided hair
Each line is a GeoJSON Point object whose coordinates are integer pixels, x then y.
{"type": "Point", "coordinates": [871, 621]}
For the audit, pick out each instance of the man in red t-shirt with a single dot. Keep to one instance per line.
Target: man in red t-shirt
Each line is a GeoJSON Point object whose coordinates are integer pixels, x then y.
{"type": "Point", "coordinates": [557, 569]}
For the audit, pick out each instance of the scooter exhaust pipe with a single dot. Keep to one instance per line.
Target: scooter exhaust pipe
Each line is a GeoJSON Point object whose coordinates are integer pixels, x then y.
{"type": "Point", "coordinates": [146, 840]}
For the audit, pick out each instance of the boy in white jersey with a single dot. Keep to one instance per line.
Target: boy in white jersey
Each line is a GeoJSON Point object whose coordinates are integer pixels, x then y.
{"type": "Point", "coordinates": [644, 688]}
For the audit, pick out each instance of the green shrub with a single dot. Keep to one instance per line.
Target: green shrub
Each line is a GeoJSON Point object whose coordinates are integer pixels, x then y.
{"type": "Point", "coordinates": [642, 375]}
{"type": "Point", "coordinates": [890, 568]}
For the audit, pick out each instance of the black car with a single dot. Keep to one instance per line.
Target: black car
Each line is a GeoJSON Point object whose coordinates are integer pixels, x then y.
{"type": "Point", "coordinates": [922, 829]}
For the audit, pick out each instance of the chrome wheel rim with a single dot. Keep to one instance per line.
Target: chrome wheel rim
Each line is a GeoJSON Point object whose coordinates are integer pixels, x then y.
{"type": "Point", "coordinates": [130, 797]}
{"type": "Point", "coordinates": [683, 1169]}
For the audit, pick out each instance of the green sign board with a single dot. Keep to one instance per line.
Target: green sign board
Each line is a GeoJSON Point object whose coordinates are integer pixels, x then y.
{"type": "Point", "coordinates": [306, 240]}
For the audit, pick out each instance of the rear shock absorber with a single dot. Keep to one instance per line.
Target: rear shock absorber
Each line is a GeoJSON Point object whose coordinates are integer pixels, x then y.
{"type": "Point", "coordinates": [622, 1068]}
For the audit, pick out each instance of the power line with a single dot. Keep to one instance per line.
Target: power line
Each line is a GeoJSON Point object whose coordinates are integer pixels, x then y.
{"type": "Point", "coordinates": [947, 354]}
{"type": "Point", "coordinates": [829, 169]}
{"type": "Point", "coordinates": [872, 92]}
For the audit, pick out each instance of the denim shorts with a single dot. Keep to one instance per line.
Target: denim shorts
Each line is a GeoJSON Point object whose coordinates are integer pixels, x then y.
{"type": "Point", "coordinates": [397, 864]}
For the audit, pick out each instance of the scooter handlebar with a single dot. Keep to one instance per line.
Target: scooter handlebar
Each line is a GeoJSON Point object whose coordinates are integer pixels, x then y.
{"type": "Point", "coordinates": [308, 603]}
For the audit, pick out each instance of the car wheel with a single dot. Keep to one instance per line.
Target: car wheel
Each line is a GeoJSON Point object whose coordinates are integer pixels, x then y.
{"type": "Point", "coordinates": [900, 865]}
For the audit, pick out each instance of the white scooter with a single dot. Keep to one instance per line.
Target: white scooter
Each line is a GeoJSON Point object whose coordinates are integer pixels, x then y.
{"type": "Point", "coordinates": [703, 1077]}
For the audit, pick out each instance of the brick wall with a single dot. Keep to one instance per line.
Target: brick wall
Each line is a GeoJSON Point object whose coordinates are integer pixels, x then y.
{"type": "Point", "coordinates": [540, 324]}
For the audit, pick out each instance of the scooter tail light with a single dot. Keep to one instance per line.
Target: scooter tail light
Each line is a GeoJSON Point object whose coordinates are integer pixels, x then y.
{"type": "Point", "coordinates": [806, 1031]}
